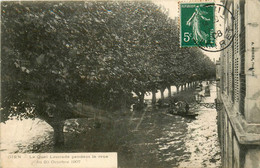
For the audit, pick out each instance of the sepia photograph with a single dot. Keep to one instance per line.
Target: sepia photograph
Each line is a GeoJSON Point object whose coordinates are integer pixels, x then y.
{"type": "Point", "coordinates": [130, 84]}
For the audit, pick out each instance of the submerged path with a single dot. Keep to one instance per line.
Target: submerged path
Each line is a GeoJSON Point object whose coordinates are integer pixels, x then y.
{"type": "Point", "coordinates": [150, 138]}
{"type": "Point", "coordinates": [164, 140]}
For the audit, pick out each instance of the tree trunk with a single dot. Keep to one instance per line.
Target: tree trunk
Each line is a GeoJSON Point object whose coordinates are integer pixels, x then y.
{"type": "Point", "coordinates": [140, 104]}
{"type": "Point", "coordinates": [58, 133]}
{"type": "Point", "coordinates": [181, 87]}
{"type": "Point", "coordinates": [169, 91]}
{"type": "Point", "coordinates": [141, 98]}
{"type": "Point", "coordinates": [185, 86]}
{"type": "Point", "coordinates": [162, 94]}
{"type": "Point", "coordinates": [178, 89]}
{"type": "Point", "coordinates": [153, 96]}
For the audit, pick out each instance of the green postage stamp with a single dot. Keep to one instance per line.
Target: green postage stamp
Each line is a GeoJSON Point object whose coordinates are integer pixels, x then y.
{"type": "Point", "coordinates": [197, 25]}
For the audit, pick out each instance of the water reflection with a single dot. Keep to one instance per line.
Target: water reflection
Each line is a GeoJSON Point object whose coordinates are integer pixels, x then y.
{"type": "Point", "coordinates": [26, 136]}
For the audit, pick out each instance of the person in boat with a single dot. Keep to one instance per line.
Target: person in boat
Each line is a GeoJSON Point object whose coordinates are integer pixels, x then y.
{"type": "Point", "coordinates": [173, 105]}
{"type": "Point", "coordinates": [180, 107]}
{"type": "Point", "coordinates": [173, 102]}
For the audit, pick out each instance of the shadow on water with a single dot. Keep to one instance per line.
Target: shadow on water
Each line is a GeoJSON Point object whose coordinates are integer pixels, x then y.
{"type": "Point", "coordinates": [147, 138]}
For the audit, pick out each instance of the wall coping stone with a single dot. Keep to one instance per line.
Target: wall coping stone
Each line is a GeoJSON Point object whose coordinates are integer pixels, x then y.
{"type": "Point", "coordinates": [246, 133]}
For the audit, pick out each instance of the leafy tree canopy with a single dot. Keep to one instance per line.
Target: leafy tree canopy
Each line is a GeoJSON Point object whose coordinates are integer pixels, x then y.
{"type": "Point", "coordinates": [56, 54]}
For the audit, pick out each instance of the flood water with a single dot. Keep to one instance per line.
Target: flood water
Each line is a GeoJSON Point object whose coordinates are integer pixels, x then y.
{"type": "Point", "coordinates": [155, 138]}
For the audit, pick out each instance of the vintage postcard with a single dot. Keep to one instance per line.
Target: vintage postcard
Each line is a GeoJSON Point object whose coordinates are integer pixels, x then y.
{"type": "Point", "coordinates": [130, 84]}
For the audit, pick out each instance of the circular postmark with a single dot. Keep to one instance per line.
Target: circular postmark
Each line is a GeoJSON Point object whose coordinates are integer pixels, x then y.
{"type": "Point", "coordinates": [221, 37]}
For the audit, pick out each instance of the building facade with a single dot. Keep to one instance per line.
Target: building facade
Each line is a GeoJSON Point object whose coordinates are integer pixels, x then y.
{"type": "Point", "coordinates": [238, 101]}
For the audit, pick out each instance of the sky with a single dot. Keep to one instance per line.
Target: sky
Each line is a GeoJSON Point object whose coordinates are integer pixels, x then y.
{"type": "Point", "coordinates": [173, 9]}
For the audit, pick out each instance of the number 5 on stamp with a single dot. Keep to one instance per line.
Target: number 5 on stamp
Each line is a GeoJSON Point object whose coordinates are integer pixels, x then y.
{"type": "Point", "coordinates": [197, 25]}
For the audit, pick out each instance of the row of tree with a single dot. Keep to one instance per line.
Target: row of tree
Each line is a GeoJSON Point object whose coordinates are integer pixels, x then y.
{"type": "Point", "coordinates": [57, 54]}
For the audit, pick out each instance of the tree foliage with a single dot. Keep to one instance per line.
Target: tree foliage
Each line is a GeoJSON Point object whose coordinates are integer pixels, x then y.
{"type": "Point", "coordinates": [56, 54]}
